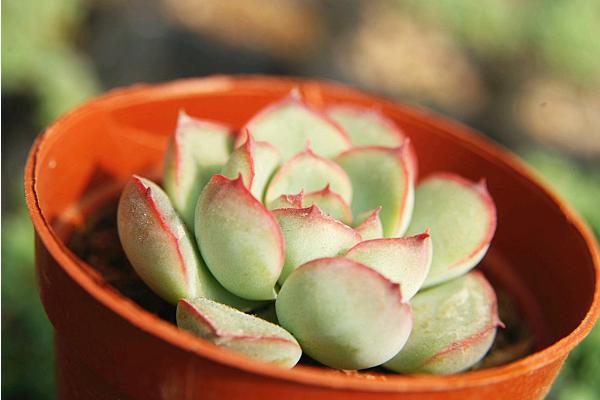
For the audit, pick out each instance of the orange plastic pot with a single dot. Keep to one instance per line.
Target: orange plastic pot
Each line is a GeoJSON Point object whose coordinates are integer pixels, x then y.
{"type": "Point", "coordinates": [108, 347]}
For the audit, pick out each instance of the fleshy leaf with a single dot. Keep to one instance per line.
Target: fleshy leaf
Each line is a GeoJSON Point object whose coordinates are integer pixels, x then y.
{"type": "Point", "coordinates": [380, 177]}
{"type": "Point", "coordinates": [309, 172]}
{"type": "Point", "coordinates": [310, 234]}
{"type": "Point", "coordinates": [454, 326]}
{"type": "Point", "coordinates": [330, 203]}
{"type": "Point", "coordinates": [267, 161]}
{"type": "Point", "coordinates": [368, 224]}
{"type": "Point", "coordinates": [197, 150]}
{"type": "Point", "coordinates": [402, 260]}
{"type": "Point", "coordinates": [256, 161]}
{"type": "Point", "coordinates": [343, 313]}
{"type": "Point", "coordinates": [160, 249]}
{"type": "Point", "coordinates": [211, 289]}
{"type": "Point", "coordinates": [239, 239]}
{"type": "Point", "coordinates": [366, 127]}
{"type": "Point", "coordinates": [462, 218]}
{"type": "Point", "coordinates": [287, 201]}
{"type": "Point", "coordinates": [241, 162]}
{"type": "Point", "coordinates": [289, 123]}
{"type": "Point", "coordinates": [155, 241]}
{"type": "Point", "coordinates": [411, 160]}
{"type": "Point", "coordinates": [232, 329]}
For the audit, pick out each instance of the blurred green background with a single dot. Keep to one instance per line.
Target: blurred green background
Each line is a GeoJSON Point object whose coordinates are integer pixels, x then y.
{"type": "Point", "coordinates": [527, 73]}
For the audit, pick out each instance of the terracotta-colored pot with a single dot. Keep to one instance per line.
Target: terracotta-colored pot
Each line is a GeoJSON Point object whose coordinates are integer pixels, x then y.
{"type": "Point", "coordinates": [109, 347]}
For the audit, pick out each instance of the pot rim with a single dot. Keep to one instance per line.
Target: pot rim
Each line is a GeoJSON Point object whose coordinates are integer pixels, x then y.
{"type": "Point", "coordinates": [315, 376]}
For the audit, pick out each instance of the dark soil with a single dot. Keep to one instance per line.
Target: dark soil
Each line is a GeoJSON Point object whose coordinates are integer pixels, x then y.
{"type": "Point", "coordinates": [97, 243]}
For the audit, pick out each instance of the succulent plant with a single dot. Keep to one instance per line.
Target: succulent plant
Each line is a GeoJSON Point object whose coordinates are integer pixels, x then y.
{"type": "Point", "coordinates": [313, 220]}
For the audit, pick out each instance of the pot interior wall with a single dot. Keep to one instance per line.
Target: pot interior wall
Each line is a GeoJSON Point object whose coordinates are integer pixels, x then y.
{"type": "Point", "coordinates": [537, 254]}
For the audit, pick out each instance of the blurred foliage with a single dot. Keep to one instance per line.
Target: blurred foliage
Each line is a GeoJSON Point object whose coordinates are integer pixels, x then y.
{"type": "Point", "coordinates": [561, 35]}
{"type": "Point", "coordinates": [38, 54]}
{"type": "Point", "coordinates": [27, 342]}
{"type": "Point", "coordinates": [495, 30]}
{"type": "Point", "coordinates": [580, 185]}
{"type": "Point", "coordinates": [38, 60]}
{"type": "Point", "coordinates": [578, 380]}
{"type": "Point", "coordinates": [567, 33]}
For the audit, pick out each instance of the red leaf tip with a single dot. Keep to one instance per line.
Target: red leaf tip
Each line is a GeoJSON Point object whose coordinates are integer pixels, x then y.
{"type": "Point", "coordinates": [137, 179]}
{"type": "Point", "coordinates": [182, 117]}
{"type": "Point", "coordinates": [314, 210]}
{"type": "Point", "coordinates": [499, 322]}
{"type": "Point", "coordinates": [295, 93]}
{"type": "Point", "coordinates": [222, 179]}
{"type": "Point", "coordinates": [308, 149]}
{"type": "Point", "coordinates": [295, 199]}
{"type": "Point", "coordinates": [481, 186]}
{"type": "Point", "coordinates": [397, 286]}
{"type": "Point", "coordinates": [238, 181]}
{"type": "Point", "coordinates": [249, 144]}
{"type": "Point", "coordinates": [198, 315]}
{"type": "Point", "coordinates": [423, 236]}
{"type": "Point", "coordinates": [218, 178]}
{"type": "Point", "coordinates": [249, 138]}
{"type": "Point", "coordinates": [373, 214]}
{"type": "Point", "coordinates": [142, 187]}
{"type": "Point", "coordinates": [325, 191]}
{"type": "Point", "coordinates": [404, 149]}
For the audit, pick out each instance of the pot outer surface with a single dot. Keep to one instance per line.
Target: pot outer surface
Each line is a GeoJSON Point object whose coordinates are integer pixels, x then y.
{"type": "Point", "coordinates": [108, 347]}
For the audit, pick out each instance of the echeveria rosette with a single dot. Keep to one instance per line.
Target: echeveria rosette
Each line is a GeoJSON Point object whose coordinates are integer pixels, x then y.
{"type": "Point", "coordinates": [302, 223]}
